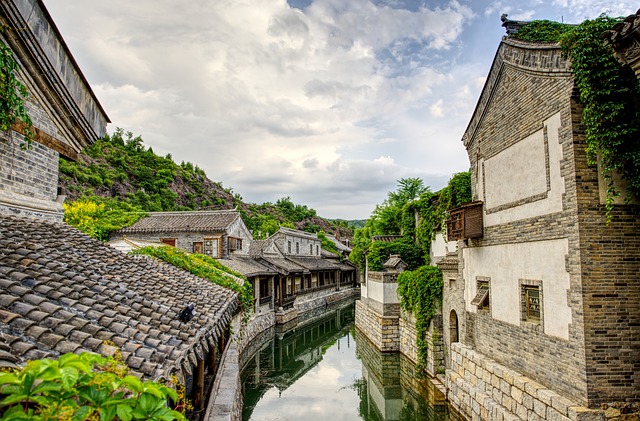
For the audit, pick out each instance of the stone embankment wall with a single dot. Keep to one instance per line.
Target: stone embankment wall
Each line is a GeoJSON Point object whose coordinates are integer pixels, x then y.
{"type": "Point", "coordinates": [480, 388]}
{"type": "Point", "coordinates": [397, 333]}
{"type": "Point", "coordinates": [382, 331]}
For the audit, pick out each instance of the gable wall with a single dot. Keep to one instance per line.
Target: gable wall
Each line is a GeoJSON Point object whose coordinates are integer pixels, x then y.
{"type": "Point", "coordinates": [520, 145]}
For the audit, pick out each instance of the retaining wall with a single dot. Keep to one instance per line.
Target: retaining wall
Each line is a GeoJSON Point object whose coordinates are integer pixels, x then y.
{"type": "Point", "coordinates": [479, 388]}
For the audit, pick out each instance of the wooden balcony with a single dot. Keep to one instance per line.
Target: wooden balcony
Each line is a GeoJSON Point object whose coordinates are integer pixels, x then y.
{"type": "Point", "coordinates": [465, 222]}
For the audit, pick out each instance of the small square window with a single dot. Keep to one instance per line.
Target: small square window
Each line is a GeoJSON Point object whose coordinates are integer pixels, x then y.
{"type": "Point", "coordinates": [531, 301]}
{"type": "Point", "coordinates": [483, 293]}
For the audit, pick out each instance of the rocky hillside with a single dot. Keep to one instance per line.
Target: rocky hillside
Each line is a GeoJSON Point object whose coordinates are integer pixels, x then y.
{"type": "Point", "coordinates": [121, 168]}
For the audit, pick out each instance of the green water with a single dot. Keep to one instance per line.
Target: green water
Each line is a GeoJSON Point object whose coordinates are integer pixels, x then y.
{"type": "Point", "coordinates": [327, 370]}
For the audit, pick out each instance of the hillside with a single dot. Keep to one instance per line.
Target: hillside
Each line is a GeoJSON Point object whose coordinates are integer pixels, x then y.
{"type": "Point", "coordinates": [120, 168]}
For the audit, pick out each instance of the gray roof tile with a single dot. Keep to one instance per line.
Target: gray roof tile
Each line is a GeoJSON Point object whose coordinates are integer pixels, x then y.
{"type": "Point", "coordinates": [211, 221]}
{"type": "Point", "coordinates": [61, 291]}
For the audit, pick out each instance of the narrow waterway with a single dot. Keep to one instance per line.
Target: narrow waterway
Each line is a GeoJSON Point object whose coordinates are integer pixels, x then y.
{"type": "Point", "coordinates": [325, 369]}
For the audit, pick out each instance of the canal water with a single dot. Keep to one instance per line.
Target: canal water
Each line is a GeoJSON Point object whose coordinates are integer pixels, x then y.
{"type": "Point", "coordinates": [325, 369]}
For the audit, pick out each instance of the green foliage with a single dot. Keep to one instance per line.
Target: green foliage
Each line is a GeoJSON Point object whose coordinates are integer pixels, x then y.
{"type": "Point", "coordinates": [99, 217]}
{"type": "Point", "coordinates": [83, 387]}
{"type": "Point", "coordinates": [13, 95]}
{"type": "Point", "coordinates": [122, 157]}
{"type": "Point", "coordinates": [420, 293]}
{"type": "Point", "coordinates": [542, 31]}
{"type": "Point", "coordinates": [416, 218]}
{"type": "Point", "coordinates": [610, 94]}
{"type": "Point", "coordinates": [205, 267]}
{"type": "Point", "coordinates": [292, 212]}
{"type": "Point", "coordinates": [409, 251]}
{"type": "Point", "coordinates": [327, 244]}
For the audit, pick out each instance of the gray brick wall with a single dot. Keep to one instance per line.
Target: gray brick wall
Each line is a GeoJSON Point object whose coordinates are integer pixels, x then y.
{"type": "Point", "coordinates": [600, 361]}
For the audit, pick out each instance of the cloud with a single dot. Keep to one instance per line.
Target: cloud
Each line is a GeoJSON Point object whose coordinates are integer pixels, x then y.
{"type": "Point", "coordinates": [330, 103]}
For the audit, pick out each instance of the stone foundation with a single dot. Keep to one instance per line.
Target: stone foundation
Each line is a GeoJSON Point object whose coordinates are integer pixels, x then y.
{"type": "Point", "coordinates": [382, 331]}
{"type": "Point", "coordinates": [481, 389]}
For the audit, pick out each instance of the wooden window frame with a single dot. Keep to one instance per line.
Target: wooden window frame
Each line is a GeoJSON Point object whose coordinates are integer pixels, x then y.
{"type": "Point", "coordinates": [482, 298]}
{"type": "Point", "coordinates": [527, 317]}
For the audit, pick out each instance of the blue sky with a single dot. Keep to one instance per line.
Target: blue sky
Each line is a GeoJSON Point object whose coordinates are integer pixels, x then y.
{"type": "Point", "coordinates": [329, 102]}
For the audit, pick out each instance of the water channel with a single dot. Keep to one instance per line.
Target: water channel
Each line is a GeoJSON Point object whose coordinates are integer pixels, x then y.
{"type": "Point", "coordinates": [325, 369]}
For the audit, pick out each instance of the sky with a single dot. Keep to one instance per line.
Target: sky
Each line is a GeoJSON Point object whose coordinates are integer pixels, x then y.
{"type": "Point", "coordinates": [328, 102]}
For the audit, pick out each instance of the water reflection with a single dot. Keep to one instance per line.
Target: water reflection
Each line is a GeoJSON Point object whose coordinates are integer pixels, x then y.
{"type": "Point", "coordinates": [326, 369]}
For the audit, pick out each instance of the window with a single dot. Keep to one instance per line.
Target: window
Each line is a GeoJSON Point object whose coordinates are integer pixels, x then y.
{"type": "Point", "coordinates": [169, 241]}
{"type": "Point", "coordinates": [212, 247]}
{"type": "Point", "coordinates": [483, 293]}
{"type": "Point", "coordinates": [310, 249]}
{"type": "Point", "coordinates": [317, 250]}
{"type": "Point", "coordinates": [531, 301]}
{"type": "Point", "coordinates": [289, 246]}
{"type": "Point", "coordinates": [198, 247]}
{"type": "Point", "coordinates": [235, 243]}
{"type": "Point", "coordinates": [297, 248]}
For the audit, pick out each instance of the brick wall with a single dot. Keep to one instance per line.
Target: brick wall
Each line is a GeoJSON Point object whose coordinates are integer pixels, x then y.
{"type": "Point", "coordinates": [600, 357]}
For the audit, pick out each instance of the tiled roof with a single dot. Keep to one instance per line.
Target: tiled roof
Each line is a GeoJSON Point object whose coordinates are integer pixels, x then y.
{"type": "Point", "coordinates": [314, 263]}
{"type": "Point", "coordinates": [247, 266]}
{"type": "Point", "coordinates": [283, 264]}
{"type": "Point", "coordinates": [211, 221]}
{"type": "Point", "coordinates": [386, 238]}
{"type": "Point", "coordinates": [61, 291]}
{"type": "Point", "coordinates": [257, 247]}
{"type": "Point", "coordinates": [297, 233]}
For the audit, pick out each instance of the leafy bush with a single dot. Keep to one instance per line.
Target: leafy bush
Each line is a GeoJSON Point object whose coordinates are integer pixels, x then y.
{"type": "Point", "coordinates": [98, 217]}
{"type": "Point", "coordinates": [83, 387]}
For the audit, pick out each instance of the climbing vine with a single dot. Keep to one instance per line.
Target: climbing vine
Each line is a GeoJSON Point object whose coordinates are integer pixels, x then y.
{"type": "Point", "coordinates": [420, 293]}
{"type": "Point", "coordinates": [13, 95]}
{"type": "Point", "coordinates": [609, 93]}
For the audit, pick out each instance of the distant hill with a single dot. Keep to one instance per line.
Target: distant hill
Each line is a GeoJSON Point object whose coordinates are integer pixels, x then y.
{"type": "Point", "coordinates": [120, 167]}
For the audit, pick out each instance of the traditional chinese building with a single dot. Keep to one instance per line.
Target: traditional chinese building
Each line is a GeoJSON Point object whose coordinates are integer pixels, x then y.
{"type": "Point", "coordinates": [541, 317]}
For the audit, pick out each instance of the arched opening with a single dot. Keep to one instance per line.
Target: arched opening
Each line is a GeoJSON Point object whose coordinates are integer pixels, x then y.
{"type": "Point", "coordinates": [453, 327]}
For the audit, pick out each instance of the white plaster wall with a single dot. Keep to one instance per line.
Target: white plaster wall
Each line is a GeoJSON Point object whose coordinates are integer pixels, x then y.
{"type": "Point", "coordinates": [519, 172]}
{"type": "Point", "coordinates": [383, 293]}
{"type": "Point", "coordinates": [440, 247]}
{"type": "Point", "coordinates": [506, 265]}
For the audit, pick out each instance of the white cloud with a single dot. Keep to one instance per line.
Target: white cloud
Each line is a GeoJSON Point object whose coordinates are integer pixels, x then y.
{"type": "Point", "coordinates": [330, 104]}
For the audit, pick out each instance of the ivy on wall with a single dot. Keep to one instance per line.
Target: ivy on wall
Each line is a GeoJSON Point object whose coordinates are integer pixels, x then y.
{"type": "Point", "coordinates": [420, 293]}
{"type": "Point", "coordinates": [609, 93]}
{"type": "Point", "coordinates": [13, 95]}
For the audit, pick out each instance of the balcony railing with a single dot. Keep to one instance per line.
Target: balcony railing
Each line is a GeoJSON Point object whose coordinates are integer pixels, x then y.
{"type": "Point", "coordinates": [265, 300]}
{"type": "Point", "coordinates": [465, 222]}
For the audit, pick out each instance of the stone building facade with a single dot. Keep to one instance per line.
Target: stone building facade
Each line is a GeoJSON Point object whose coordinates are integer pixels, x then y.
{"type": "Point", "coordinates": [65, 113]}
{"type": "Point", "coordinates": [218, 233]}
{"type": "Point", "coordinates": [549, 287]}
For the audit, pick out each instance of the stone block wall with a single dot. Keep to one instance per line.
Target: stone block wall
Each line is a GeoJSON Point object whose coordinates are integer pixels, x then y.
{"type": "Point", "coordinates": [409, 346]}
{"type": "Point", "coordinates": [480, 388]}
{"type": "Point", "coordinates": [382, 331]}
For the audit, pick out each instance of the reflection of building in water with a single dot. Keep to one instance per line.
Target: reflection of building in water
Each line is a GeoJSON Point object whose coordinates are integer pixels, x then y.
{"type": "Point", "coordinates": [390, 388]}
{"type": "Point", "coordinates": [288, 356]}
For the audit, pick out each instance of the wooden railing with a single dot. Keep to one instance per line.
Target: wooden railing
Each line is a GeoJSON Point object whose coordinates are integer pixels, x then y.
{"type": "Point", "coordinates": [265, 300]}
